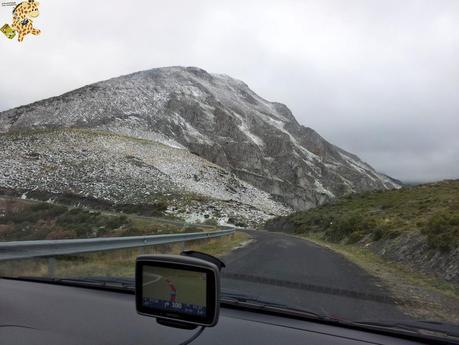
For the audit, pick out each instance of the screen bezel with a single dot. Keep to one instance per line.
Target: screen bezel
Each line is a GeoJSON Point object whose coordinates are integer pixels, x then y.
{"type": "Point", "coordinates": [211, 294]}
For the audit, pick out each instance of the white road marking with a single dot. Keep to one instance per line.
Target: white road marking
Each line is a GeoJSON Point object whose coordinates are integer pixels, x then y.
{"type": "Point", "coordinates": [155, 277]}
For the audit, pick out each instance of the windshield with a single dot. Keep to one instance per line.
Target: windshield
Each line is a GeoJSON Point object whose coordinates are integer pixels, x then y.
{"type": "Point", "coordinates": [311, 146]}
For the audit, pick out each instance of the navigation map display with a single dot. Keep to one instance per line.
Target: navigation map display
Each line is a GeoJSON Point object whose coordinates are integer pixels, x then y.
{"type": "Point", "coordinates": [175, 290]}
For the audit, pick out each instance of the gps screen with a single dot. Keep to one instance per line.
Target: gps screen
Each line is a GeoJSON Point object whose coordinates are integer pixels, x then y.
{"type": "Point", "coordinates": [175, 290]}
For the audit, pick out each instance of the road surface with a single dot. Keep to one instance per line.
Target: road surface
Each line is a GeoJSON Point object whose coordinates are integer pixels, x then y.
{"type": "Point", "coordinates": [289, 270]}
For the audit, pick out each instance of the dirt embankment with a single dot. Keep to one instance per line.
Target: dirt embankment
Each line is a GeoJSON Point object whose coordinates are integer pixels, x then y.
{"type": "Point", "coordinates": [413, 250]}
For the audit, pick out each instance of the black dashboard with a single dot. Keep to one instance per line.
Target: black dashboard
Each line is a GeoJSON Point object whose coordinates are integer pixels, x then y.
{"type": "Point", "coordinates": [37, 313]}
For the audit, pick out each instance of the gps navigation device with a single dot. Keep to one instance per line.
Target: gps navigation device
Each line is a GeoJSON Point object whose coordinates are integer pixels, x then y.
{"type": "Point", "coordinates": [178, 290]}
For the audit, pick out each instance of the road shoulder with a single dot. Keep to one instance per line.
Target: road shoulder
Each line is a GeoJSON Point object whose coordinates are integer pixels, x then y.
{"type": "Point", "coordinates": [416, 294]}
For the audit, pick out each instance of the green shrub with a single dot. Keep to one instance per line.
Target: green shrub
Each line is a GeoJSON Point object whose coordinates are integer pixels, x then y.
{"type": "Point", "coordinates": [33, 214]}
{"type": "Point", "coordinates": [116, 222]}
{"type": "Point", "coordinates": [213, 221]}
{"type": "Point", "coordinates": [155, 209]}
{"type": "Point", "coordinates": [353, 228]}
{"type": "Point", "coordinates": [355, 237]}
{"type": "Point", "coordinates": [378, 234]}
{"type": "Point", "coordinates": [442, 231]}
{"type": "Point", "coordinates": [89, 224]}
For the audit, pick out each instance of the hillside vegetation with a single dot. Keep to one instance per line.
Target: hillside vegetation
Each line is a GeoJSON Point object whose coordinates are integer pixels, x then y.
{"type": "Point", "coordinates": [432, 209]}
{"type": "Point", "coordinates": [22, 220]}
{"type": "Point", "coordinates": [416, 225]}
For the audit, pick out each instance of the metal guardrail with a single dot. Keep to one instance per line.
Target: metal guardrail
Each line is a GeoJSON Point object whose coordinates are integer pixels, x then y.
{"type": "Point", "coordinates": [50, 249]}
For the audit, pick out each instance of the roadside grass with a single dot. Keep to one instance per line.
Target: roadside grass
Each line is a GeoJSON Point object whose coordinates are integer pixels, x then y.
{"type": "Point", "coordinates": [220, 247]}
{"type": "Point", "coordinates": [430, 298]}
{"type": "Point", "coordinates": [119, 263]}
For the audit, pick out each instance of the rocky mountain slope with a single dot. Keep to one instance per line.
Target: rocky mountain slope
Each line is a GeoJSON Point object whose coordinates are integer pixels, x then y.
{"type": "Point", "coordinates": [121, 169]}
{"type": "Point", "coordinates": [187, 112]}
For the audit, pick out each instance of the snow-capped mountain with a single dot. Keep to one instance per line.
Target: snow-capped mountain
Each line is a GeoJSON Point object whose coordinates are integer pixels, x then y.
{"type": "Point", "coordinates": [189, 112]}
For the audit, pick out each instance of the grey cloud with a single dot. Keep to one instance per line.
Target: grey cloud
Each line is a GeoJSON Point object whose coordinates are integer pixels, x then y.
{"type": "Point", "coordinates": [380, 79]}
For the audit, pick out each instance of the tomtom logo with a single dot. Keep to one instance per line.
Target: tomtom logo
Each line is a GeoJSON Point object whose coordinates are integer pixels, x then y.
{"type": "Point", "coordinates": [23, 15]}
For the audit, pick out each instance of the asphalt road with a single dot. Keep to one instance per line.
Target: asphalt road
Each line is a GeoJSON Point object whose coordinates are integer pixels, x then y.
{"type": "Point", "coordinates": [287, 270]}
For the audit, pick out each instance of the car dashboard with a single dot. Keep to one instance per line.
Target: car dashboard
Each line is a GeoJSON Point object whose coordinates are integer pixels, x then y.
{"type": "Point", "coordinates": [39, 313]}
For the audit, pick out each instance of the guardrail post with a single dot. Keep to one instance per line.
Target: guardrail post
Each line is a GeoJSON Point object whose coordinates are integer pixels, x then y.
{"type": "Point", "coordinates": [51, 266]}
{"type": "Point", "coordinates": [141, 250]}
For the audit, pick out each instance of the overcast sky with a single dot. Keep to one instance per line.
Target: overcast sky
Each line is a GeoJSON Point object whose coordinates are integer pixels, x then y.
{"type": "Point", "coordinates": [378, 78]}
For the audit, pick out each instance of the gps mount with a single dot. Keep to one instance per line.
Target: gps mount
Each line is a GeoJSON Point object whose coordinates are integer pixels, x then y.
{"type": "Point", "coordinates": [203, 256]}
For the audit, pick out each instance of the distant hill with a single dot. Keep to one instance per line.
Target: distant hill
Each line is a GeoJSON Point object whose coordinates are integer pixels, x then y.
{"type": "Point", "coordinates": [416, 225]}
{"type": "Point", "coordinates": [177, 130]}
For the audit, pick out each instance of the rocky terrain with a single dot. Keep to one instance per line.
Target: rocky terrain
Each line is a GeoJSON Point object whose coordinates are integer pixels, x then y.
{"type": "Point", "coordinates": [178, 132]}
{"type": "Point", "coordinates": [122, 169]}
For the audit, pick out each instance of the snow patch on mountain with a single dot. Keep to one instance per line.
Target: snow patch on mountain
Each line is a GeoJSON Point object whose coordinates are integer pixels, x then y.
{"type": "Point", "coordinates": [122, 169]}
